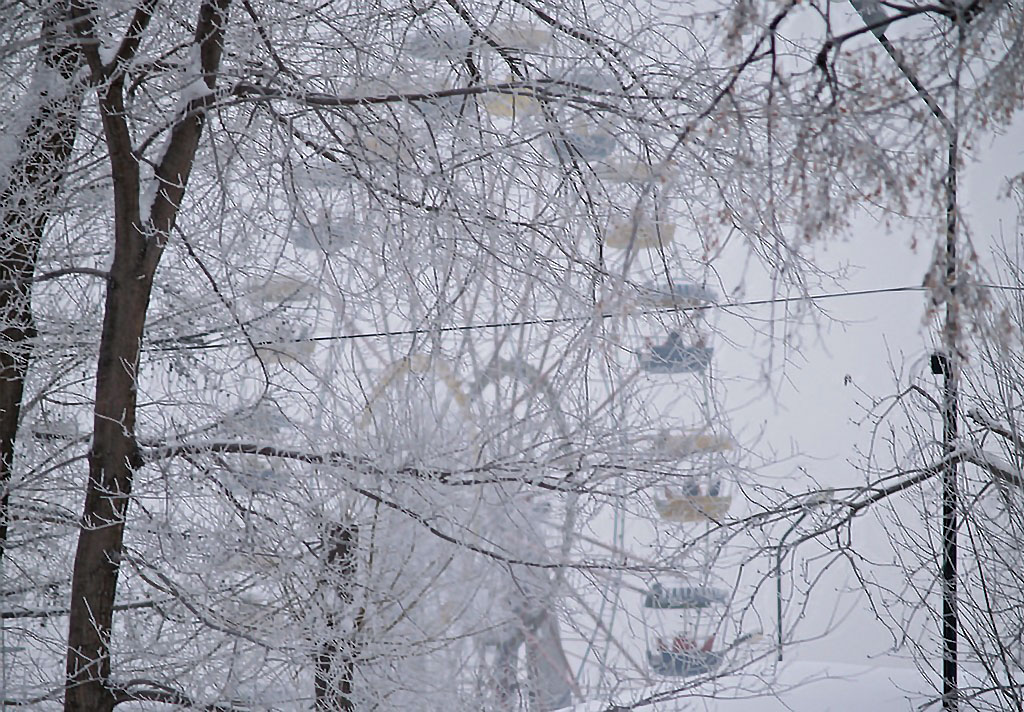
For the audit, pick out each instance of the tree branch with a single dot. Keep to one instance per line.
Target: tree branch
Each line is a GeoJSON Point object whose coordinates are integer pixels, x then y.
{"type": "Point", "coordinates": [462, 478]}
{"type": "Point", "coordinates": [994, 427]}
{"type": "Point", "coordinates": [156, 692]}
{"type": "Point", "coordinates": [130, 44]}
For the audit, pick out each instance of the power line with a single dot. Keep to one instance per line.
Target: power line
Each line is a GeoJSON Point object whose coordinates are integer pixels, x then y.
{"type": "Point", "coordinates": [550, 321]}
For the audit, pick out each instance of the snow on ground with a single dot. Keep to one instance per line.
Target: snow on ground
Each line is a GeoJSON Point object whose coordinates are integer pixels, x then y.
{"type": "Point", "coordinates": [831, 687]}
{"type": "Point", "coordinates": [799, 686]}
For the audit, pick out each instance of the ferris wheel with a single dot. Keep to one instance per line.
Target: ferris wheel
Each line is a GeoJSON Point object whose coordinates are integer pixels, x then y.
{"type": "Point", "coordinates": [526, 615]}
{"type": "Point", "coordinates": [699, 498]}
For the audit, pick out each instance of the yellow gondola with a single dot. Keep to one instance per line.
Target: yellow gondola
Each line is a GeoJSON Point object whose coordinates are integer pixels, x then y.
{"type": "Point", "coordinates": [685, 444]}
{"type": "Point", "coordinates": [692, 507]}
{"type": "Point", "coordinates": [510, 104]}
{"type": "Point", "coordinates": [639, 234]}
{"type": "Point", "coordinates": [635, 172]}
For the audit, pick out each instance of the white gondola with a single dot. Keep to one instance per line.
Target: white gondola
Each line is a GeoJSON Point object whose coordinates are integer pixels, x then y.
{"type": "Point", "coordinates": [264, 417]}
{"type": "Point", "coordinates": [61, 430]}
{"type": "Point", "coordinates": [326, 236]}
{"type": "Point", "coordinates": [519, 36]}
{"type": "Point", "coordinates": [440, 46]}
{"type": "Point", "coordinates": [642, 234]}
{"type": "Point", "coordinates": [675, 357]}
{"type": "Point", "coordinates": [454, 43]}
{"type": "Point", "coordinates": [281, 289]}
{"type": "Point", "coordinates": [263, 481]}
{"type": "Point", "coordinates": [284, 342]}
{"type": "Point", "coordinates": [679, 294]}
{"type": "Point", "coordinates": [590, 80]}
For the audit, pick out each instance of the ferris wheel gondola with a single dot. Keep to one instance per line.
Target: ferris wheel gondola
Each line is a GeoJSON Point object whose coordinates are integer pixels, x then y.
{"type": "Point", "coordinates": [683, 657]}
{"type": "Point", "coordinates": [280, 290]}
{"type": "Point", "coordinates": [279, 331]}
{"type": "Point", "coordinates": [639, 234]}
{"type": "Point", "coordinates": [282, 341]}
{"type": "Point", "coordinates": [694, 505]}
{"type": "Point", "coordinates": [323, 235]}
{"type": "Point", "coordinates": [511, 104]}
{"type": "Point", "coordinates": [683, 597]}
{"type": "Point", "coordinates": [678, 294]}
{"type": "Point", "coordinates": [635, 172]}
{"type": "Point", "coordinates": [588, 143]}
{"type": "Point", "coordinates": [675, 356]}
{"type": "Point", "coordinates": [679, 445]}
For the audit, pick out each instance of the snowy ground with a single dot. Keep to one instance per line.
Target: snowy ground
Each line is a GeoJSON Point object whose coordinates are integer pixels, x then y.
{"type": "Point", "coordinates": [800, 686]}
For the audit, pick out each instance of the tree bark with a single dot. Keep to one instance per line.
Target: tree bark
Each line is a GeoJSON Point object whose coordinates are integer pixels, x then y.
{"type": "Point", "coordinates": [26, 203]}
{"type": "Point", "coordinates": [138, 246]}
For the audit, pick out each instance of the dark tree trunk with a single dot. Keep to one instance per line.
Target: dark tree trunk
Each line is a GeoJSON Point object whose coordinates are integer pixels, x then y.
{"type": "Point", "coordinates": [138, 247]}
{"type": "Point", "coordinates": [26, 204]}
{"type": "Point", "coordinates": [335, 662]}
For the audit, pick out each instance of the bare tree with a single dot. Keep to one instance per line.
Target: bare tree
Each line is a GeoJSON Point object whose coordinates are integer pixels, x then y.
{"type": "Point", "coordinates": [403, 307]}
{"type": "Point", "coordinates": [906, 465]}
{"type": "Point", "coordinates": [30, 187]}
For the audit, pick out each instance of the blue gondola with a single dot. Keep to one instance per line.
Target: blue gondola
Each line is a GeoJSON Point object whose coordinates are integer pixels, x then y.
{"type": "Point", "coordinates": [685, 664]}
{"type": "Point", "coordinates": [676, 357]}
{"type": "Point", "coordinates": [683, 597]}
{"type": "Point", "coordinates": [589, 145]}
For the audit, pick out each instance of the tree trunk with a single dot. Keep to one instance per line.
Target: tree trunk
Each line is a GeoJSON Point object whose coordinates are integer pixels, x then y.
{"type": "Point", "coordinates": [138, 247]}
{"type": "Point", "coordinates": [112, 461]}
{"type": "Point", "coordinates": [32, 184]}
{"type": "Point", "coordinates": [335, 662]}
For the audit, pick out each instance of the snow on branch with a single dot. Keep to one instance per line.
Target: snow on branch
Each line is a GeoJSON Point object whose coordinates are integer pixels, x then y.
{"type": "Point", "coordinates": [997, 467]}
{"type": "Point", "coordinates": [151, 691]}
{"type": "Point", "coordinates": [488, 474]}
{"type": "Point", "coordinates": [993, 426]}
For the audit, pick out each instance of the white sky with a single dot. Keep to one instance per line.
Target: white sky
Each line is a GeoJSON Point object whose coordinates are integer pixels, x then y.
{"type": "Point", "coordinates": [873, 336]}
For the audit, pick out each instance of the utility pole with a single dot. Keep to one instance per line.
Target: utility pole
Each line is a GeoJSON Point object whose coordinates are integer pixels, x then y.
{"type": "Point", "coordinates": [948, 363]}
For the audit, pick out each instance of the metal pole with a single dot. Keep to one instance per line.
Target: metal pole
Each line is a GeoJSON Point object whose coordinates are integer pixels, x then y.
{"type": "Point", "coordinates": [950, 495]}
{"type": "Point", "coordinates": [877, 20]}
{"type": "Point", "coordinates": [778, 577]}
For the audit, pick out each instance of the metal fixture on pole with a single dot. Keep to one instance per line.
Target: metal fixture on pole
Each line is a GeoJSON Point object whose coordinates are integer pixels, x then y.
{"type": "Point", "coordinates": [814, 500]}
{"type": "Point", "coordinates": [877, 21]}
